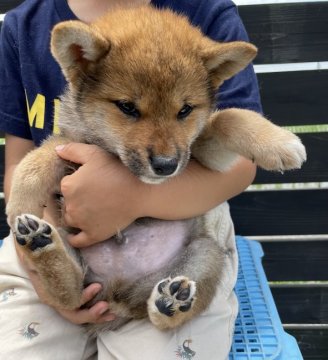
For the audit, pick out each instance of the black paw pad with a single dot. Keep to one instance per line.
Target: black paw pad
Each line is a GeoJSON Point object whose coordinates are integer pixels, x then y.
{"type": "Point", "coordinates": [22, 228]}
{"type": "Point", "coordinates": [164, 308]}
{"type": "Point", "coordinates": [183, 294]}
{"type": "Point", "coordinates": [46, 229]}
{"type": "Point", "coordinates": [185, 308]}
{"type": "Point", "coordinates": [32, 223]}
{"type": "Point", "coordinates": [20, 240]}
{"type": "Point", "coordinates": [174, 287]}
{"type": "Point", "coordinates": [39, 241]}
{"type": "Point", "coordinates": [161, 286]}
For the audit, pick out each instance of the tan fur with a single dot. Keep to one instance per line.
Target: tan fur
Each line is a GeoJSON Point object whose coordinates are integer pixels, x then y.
{"type": "Point", "coordinates": [160, 63]}
{"type": "Point", "coordinates": [40, 188]}
{"type": "Point", "coordinates": [247, 133]}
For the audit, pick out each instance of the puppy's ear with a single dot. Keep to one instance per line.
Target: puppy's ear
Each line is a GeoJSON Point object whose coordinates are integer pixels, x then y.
{"type": "Point", "coordinates": [77, 48]}
{"type": "Point", "coordinates": [224, 60]}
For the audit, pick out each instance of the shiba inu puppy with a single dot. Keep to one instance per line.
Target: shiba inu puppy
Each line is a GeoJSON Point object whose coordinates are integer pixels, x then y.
{"type": "Point", "coordinates": [142, 84]}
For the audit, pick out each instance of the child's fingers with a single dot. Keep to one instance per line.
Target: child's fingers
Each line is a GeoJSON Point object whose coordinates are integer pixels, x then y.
{"type": "Point", "coordinates": [98, 313]}
{"type": "Point", "coordinates": [90, 292]}
{"type": "Point", "coordinates": [81, 239]}
{"type": "Point", "coordinates": [77, 152]}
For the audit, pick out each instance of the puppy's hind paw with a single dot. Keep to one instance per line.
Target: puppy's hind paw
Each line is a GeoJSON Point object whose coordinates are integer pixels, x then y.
{"type": "Point", "coordinates": [32, 233]}
{"type": "Point", "coordinates": [59, 272]}
{"type": "Point", "coordinates": [171, 301]}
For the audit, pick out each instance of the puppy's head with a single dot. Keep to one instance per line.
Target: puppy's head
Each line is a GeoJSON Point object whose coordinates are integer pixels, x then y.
{"type": "Point", "coordinates": [142, 83]}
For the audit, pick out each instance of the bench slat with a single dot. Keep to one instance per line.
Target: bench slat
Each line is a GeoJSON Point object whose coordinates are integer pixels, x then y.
{"type": "Point", "coordinates": [313, 343]}
{"type": "Point", "coordinates": [295, 98]}
{"type": "Point", "coordinates": [287, 33]}
{"type": "Point", "coordinates": [288, 212]}
{"type": "Point", "coordinates": [296, 260]}
{"type": "Point", "coordinates": [302, 305]}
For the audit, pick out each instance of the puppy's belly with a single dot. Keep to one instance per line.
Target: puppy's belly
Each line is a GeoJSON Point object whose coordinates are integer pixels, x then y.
{"type": "Point", "coordinates": [143, 249]}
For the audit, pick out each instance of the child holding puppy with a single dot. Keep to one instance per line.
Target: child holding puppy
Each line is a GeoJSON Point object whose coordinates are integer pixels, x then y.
{"type": "Point", "coordinates": [101, 177]}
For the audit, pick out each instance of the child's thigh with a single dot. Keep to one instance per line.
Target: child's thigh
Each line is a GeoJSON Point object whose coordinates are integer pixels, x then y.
{"type": "Point", "coordinates": [207, 337]}
{"type": "Point", "coordinates": [30, 329]}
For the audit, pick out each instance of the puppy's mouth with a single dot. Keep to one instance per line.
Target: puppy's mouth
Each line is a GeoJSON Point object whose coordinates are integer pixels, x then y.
{"type": "Point", "coordinates": [155, 169]}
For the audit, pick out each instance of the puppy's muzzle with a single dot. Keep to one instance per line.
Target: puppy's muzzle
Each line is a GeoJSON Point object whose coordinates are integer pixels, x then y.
{"type": "Point", "coordinates": [163, 165]}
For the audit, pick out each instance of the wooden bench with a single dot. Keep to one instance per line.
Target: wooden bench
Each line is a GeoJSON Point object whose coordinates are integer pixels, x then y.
{"type": "Point", "coordinates": [287, 213]}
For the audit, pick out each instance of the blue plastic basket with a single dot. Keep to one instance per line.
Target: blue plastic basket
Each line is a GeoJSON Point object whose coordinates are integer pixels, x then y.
{"type": "Point", "coordinates": [258, 330]}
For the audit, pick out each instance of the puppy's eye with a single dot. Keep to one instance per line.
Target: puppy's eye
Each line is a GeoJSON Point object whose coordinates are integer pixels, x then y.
{"type": "Point", "coordinates": [185, 111]}
{"type": "Point", "coordinates": [128, 108]}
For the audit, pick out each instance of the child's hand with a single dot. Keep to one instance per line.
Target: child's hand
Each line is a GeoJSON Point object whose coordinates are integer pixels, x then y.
{"type": "Point", "coordinates": [97, 314]}
{"type": "Point", "coordinates": [101, 197]}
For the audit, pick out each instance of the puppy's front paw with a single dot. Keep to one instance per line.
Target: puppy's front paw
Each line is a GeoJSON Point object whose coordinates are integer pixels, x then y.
{"type": "Point", "coordinates": [285, 152]}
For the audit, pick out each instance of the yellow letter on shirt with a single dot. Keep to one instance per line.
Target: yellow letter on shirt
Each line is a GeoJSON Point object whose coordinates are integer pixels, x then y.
{"type": "Point", "coordinates": [36, 112]}
{"type": "Point", "coordinates": [56, 110]}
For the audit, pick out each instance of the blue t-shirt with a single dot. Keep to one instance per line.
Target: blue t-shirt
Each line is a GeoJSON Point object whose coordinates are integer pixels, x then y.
{"type": "Point", "coordinates": [31, 80]}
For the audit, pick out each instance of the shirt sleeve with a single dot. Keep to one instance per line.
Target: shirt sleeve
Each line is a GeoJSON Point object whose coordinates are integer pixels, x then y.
{"type": "Point", "coordinates": [13, 112]}
{"type": "Point", "coordinates": [242, 90]}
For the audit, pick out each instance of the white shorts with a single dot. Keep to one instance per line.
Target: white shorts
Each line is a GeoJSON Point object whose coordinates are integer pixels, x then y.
{"type": "Point", "coordinates": [31, 330]}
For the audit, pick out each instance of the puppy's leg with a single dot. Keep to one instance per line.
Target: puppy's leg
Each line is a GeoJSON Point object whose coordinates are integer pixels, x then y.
{"type": "Point", "coordinates": [247, 133]}
{"type": "Point", "coordinates": [59, 272]}
{"type": "Point", "coordinates": [191, 286]}
{"type": "Point", "coordinates": [35, 179]}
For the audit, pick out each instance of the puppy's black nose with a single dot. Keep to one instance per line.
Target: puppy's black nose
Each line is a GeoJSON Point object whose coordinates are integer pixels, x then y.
{"type": "Point", "coordinates": [163, 165]}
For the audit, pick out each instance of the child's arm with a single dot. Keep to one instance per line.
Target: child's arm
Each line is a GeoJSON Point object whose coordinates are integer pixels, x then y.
{"type": "Point", "coordinates": [103, 197]}
{"type": "Point", "coordinates": [16, 148]}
